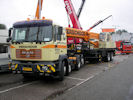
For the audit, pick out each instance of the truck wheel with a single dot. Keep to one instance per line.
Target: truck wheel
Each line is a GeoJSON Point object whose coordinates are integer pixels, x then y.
{"type": "Point", "coordinates": [62, 72]}
{"type": "Point", "coordinates": [78, 65]}
{"type": "Point", "coordinates": [69, 70]}
{"type": "Point", "coordinates": [111, 56]}
{"type": "Point", "coordinates": [107, 58]}
{"type": "Point", "coordinates": [82, 61]}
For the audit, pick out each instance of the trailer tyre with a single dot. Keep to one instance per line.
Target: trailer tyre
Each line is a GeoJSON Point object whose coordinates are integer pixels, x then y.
{"type": "Point", "coordinates": [107, 58]}
{"type": "Point", "coordinates": [111, 56]}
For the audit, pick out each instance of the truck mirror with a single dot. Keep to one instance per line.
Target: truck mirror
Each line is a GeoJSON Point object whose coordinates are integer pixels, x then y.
{"type": "Point", "coordinates": [10, 32]}
{"type": "Point", "coordinates": [8, 39]}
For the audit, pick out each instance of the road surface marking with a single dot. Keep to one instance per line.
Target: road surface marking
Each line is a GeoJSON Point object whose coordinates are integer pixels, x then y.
{"type": "Point", "coordinates": [81, 82]}
{"type": "Point", "coordinates": [13, 88]}
{"type": "Point", "coordinates": [76, 78]}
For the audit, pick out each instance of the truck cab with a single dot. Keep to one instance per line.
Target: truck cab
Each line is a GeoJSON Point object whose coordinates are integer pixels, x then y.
{"type": "Point", "coordinates": [36, 46]}
{"type": "Point", "coordinates": [124, 46]}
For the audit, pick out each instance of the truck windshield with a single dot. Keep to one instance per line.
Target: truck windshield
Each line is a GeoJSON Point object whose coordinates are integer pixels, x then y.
{"type": "Point", "coordinates": [32, 34]}
{"type": "Point", "coordinates": [127, 43]}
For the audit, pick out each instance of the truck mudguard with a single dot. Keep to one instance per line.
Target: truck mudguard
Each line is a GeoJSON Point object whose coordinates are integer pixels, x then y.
{"type": "Point", "coordinates": [61, 58]}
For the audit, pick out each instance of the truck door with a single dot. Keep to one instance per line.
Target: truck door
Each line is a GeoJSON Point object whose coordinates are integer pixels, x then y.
{"type": "Point", "coordinates": [60, 40]}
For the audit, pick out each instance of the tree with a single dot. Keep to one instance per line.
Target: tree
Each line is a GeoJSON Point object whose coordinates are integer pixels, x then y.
{"type": "Point", "coordinates": [119, 32]}
{"type": "Point", "coordinates": [112, 33]}
{"type": "Point", "coordinates": [2, 26]}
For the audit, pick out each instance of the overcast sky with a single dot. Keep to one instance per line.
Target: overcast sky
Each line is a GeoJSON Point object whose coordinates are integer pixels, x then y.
{"type": "Point", "coordinates": [94, 10]}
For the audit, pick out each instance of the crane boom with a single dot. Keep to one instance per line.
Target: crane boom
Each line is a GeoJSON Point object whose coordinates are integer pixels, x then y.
{"type": "Point", "coordinates": [99, 22]}
{"type": "Point", "coordinates": [38, 9]}
{"type": "Point", "coordinates": [85, 35]}
{"type": "Point", "coordinates": [72, 14]}
{"type": "Point", "coordinates": [80, 9]}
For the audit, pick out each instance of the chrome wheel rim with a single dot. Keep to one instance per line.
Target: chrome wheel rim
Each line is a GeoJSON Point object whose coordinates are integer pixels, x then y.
{"type": "Point", "coordinates": [82, 61]}
{"type": "Point", "coordinates": [70, 68]}
{"type": "Point", "coordinates": [79, 65]}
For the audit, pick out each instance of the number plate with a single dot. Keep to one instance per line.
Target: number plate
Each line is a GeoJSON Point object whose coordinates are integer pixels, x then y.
{"type": "Point", "coordinates": [27, 69]}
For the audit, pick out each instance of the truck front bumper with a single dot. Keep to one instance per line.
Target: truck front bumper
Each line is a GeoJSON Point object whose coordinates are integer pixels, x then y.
{"type": "Point", "coordinates": [32, 68]}
{"type": "Point", "coordinates": [128, 51]}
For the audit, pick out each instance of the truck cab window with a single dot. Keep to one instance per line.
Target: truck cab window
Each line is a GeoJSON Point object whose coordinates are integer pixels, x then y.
{"type": "Point", "coordinates": [57, 33]}
{"type": "Point", "coordinates": [20, 34]}
{"type": "Point", "coordinates": [32, 33]}
{"type": "Point", "coordinates": [45, 33]}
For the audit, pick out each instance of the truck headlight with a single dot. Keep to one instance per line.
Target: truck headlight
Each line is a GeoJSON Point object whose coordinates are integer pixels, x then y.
{"type": "Point", "coordinates": [44, 68]}
{"type": "Point", "coordinates": [12, 66]}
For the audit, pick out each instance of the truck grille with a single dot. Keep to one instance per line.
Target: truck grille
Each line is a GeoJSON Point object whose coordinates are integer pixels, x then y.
{"type": "Point", "coordinates": [28, 54]}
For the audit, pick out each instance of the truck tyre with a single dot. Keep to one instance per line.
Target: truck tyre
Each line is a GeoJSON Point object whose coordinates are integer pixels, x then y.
{"type": "Point", "coordinates": [78, 65]}
{"type": "Point", "coordinates": [111, 56]}
{"type": "Point", "coordinates": [107, 58]}
{"type": "Point", "coordinates": [68, 70]}
{"type": "Point", "coordinates": [82, 61]}
{"type": "Point", "coordinates": [62, 71]}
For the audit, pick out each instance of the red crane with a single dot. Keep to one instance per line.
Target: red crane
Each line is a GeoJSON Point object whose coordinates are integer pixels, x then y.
{"type": "Point", "coordinates": [74, 19]}
{"type": "Point", "coordinates": [72, 14]}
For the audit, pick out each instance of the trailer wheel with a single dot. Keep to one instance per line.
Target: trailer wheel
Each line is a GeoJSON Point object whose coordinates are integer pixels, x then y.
{"type": "Point", "coordinates": [111, 56]}
{"type": "Point", "coordinates": [107, 58]}
{"type": "Point", "coordinates": [62, 72]}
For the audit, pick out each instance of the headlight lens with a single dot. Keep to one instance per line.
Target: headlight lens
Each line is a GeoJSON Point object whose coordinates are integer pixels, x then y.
{"type": "Point", "coordinates": [13, 66]}
{"type": "Point", "coordinates": [44, 68]}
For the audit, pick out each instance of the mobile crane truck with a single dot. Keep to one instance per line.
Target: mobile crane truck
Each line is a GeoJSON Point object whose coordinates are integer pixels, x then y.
{"type": "Point", "coordinates": [39, 47]}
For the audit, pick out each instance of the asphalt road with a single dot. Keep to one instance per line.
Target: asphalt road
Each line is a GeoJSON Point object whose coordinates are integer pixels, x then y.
{"type": "Point", "coordinates": [15, 87]}
{"type": "Point", "coordinates": [113, 84]}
